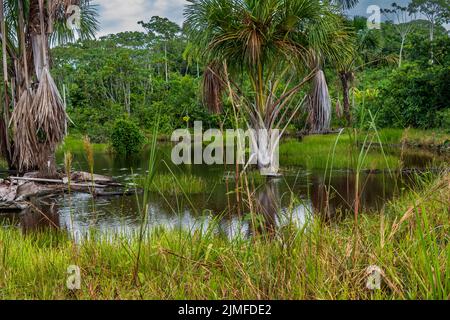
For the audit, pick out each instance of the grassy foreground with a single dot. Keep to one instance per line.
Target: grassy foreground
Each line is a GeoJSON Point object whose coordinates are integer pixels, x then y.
{"type": "Point", "coordinates": [409, 241]}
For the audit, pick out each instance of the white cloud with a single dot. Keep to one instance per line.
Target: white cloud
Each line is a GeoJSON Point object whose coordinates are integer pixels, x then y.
{"type": "Point", "coordinates": [119, 15]}
{"type": "Point", "coordinates": [123, 15]}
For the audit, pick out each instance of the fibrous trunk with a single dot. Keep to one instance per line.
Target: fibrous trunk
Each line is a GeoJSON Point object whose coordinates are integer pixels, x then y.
{"type": "Point", "coordinates": [319, 105]}
{"type": "Point", "coordinates": [265, 147]}
{"type": "Point", "coordinates": [39, 118]}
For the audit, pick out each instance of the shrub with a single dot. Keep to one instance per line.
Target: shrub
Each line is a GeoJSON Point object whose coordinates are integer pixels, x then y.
{"type": "Point", "coordinates": [444, 120]}
{"type": "Point", "coordinates": [413, 96]}
{"type": "Point", "coordinates": [126, 137]}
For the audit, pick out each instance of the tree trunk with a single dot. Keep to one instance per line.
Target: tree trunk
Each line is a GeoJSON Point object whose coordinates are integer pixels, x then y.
{"type": "Point", "coordinates": [431, 41]}
{"type": "Point", "coordinates": [47, 163]}
{"type": "Point", "coordinates": [345, 79]}
{"type": "Point", "coordinates": [265, 146]}
{"type": "Point", "coordinates": [402, 45]}
{"type": "Point", "coordinates": [5, 146]}
{"type": "Point", "coordinates": [166, 64]}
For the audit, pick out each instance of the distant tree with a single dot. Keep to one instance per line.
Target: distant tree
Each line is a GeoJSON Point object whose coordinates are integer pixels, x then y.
{"type": "Point", "coordinates": [164, 30]}
{"type": "Point", "coordinates": [401, 18]}
{"type": "Point", "coordinates": [437, 12]}
{"type": "Point", "coordinates": [366, 51]}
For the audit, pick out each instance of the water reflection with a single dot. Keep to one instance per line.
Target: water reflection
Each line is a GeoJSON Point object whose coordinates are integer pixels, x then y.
{"type": "Point", "coordinates": [41, 215]}
{"type": "Point", "coordinates": [292, 199]}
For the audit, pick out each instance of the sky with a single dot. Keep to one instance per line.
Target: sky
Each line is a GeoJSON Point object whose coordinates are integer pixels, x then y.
{"type": "Point", "coordinates": [123, 15]}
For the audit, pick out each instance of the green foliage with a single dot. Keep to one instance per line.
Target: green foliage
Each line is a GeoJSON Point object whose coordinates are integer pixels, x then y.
{"type": "Point", "coordinates": [443, 118]}
{"type": "Point", "coordinates": [178, 185]}
{"type": "Point", "coordinates": [413, 96]}
{"type": "Point", "coordinates": [157, 73]}
{"type": "Point", "coordinates": [314, 151]}
{"type": "Point", "coordinates": [126, 137]}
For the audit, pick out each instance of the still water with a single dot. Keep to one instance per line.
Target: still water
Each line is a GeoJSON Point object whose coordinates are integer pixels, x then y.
{"type": "Point", "coordinates": [297, 197]}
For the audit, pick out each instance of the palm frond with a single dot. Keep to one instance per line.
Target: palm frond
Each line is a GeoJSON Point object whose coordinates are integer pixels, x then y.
{"type": "Point", "coordinates": [24, 128]}
{"type": "Point", "coordinates": [213, 87]}
{"type": "Point", "coordinates": [48, 111]}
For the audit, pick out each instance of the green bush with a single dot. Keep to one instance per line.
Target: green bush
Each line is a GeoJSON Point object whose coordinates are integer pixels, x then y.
{"type": "Point", "coordinates": [126, 137]}
{"type": "Point", "coordinates": [413, 96]}
{"type": "Point", "coordinates": [444, 120]}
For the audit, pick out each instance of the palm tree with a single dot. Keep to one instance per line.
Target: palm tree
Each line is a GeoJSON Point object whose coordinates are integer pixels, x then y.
{"type": "Point", "coordinates": [33, 122]}
{"type": "Point", "coordinates": [269, 45]}
{"type": "Point", "coordinates": [319, 100]}
{"type": "Point", "coordinates": [366, 51]}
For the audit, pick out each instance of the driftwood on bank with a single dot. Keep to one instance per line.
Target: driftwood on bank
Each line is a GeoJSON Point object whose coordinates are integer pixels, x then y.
{"type": "Point", "coordinates": [16, 192]}
{"type": "Point", "coordinates": [61, 182]}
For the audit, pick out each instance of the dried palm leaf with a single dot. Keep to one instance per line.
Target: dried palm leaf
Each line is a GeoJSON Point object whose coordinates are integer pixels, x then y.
{"type": "Point", "coordinates": [319, 105]}
{"type": "Point", "coordinates": [26, 144]}
{"type": "Point", "coordinates": [49, 113]}
{"type": "Point", "coordinates": [213, 87]}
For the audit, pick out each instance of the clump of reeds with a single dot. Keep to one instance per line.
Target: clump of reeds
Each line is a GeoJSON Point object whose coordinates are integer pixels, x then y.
{"type": "Point", "coordinates": [68, 158]}
{"type": "Point", "coordinates": [89, 151]}
{"type": "Point", "coordinates": [177, 185]}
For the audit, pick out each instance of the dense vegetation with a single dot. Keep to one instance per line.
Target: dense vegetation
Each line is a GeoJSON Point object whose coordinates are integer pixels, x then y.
{"type": "Point", "coordinates": [140, 75]}
{"type": "Point", "coordinates": [297, 65]}
{"type": "Point", "coordinates": [319, 261]}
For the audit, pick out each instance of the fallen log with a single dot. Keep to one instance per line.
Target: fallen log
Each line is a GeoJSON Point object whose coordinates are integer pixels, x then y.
{"type": "Point", "coordinates": [13, 206]}
{"type": "Point", "coordinates": [56, 181]}
{"type": "Point", "coordinates": [79, 176]}
{"type": "Point", "coordinates": [16, 192]}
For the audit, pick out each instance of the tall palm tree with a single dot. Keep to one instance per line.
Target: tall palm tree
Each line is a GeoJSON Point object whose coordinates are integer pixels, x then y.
{"type": "Point", "coordinates": [366, 51]}
{"type": "Point", "coordinates": [268, 44]}
{"type": "Point", "coordinates": [319, 100]}
{"type": "Point", "coordinates": [33, 122]}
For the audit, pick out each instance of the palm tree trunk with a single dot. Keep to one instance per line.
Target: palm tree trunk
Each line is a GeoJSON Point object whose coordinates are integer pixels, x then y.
{"type": "Point", "coordinates": [47, 159]}
{"type": "Point", "coordinates": [345, 79]}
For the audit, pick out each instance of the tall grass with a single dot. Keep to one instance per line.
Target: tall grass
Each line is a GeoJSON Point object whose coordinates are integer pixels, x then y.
{"type": "Point", "coordinates": [408, 241]}
{"type": "Point", "coordinates": [145, 201]}
{"type": "Point", "coordinates": [312, 153]}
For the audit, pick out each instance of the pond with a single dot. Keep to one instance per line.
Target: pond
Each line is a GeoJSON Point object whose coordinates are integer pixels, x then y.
{"type": "Point", "coordinates": [295, 197]}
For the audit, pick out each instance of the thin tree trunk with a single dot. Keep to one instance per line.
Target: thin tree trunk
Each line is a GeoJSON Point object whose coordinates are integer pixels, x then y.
{"type": "Point", "coordinates": [402, 45]}
{"type": "Point", "coordinates": [5, 145]}
{"type": "Point", "coordinates": [23, 44]}
{"type": "Point", "coordinates": [431, 41]}
{"type": "Point", "coordinates": [166, 64]}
